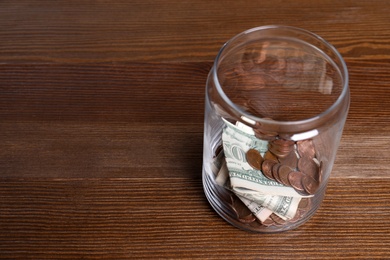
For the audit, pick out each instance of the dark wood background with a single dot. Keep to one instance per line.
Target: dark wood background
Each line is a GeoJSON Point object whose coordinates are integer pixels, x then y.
{"type": "Point", "coordinates": [101, 130]}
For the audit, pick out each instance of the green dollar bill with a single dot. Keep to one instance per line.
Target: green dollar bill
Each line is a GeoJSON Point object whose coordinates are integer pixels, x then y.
{"type": "Point", "coordinates": [236, 142]}
{"type": "Point", "coordinates": [283, 206]}
{"type": "Point", "coordinates": [259, 211]}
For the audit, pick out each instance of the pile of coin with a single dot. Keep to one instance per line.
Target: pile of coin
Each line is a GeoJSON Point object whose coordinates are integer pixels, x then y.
{"type": "Point", "coordinates": [290, 163]}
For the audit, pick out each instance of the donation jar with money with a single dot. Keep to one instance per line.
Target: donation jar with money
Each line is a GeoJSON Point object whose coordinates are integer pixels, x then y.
{"type": "Point", "coordinates": [277, 99]}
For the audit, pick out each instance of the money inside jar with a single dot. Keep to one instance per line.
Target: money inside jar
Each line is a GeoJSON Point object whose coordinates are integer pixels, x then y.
{"type": "Point", "coordinates": [271, 181]}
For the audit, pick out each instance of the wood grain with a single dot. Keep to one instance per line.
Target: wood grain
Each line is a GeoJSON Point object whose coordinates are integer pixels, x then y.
{"type": "Point", "coordinates": [101, 130]}
{"type": "Point", "coordinates": [146, 30]}
{"type": "Point", "coordinates": [125, 120]}
{"type": "Point", "coordinates": [122, 219]}
{"type": "Point", "coordinates": [134, 93]}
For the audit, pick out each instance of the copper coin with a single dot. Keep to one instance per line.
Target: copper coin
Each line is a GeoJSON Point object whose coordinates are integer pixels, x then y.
{"type": "Point", "coordinates": [297, 217]}
{"type": "Point", "coordinates": [266, 168]}
{"type": "Point", "coordinates": [231, 209]}
{"type": "Point", "coordinates": [283, 173]}
{"type": "Point", "coordinates": [247, 219]}
{"type": "Point", "coordinates": [290, 160]}
{"type": "Point", "coordinates": [241, 210]}
{"type": "Point", "coordinates": [232, 203]}
{"type": "Point", "coordinates": [310, 185]}
{"type": "Point", "coordinates": [300, 214]}
{"type": "Point", "coordinates": [283, 146]}
{"type": "Point", "coordinates": [309, 167]}
{"type": "Point", "coordinates": [282, 149]}
{"type": "Point", "coordinates": [283, 143]}
{"type": "Point", "coordinates": [276, 151]}
{"type": "Point", "coordinates": [270, 156]}
{"type": "Point", "coordinates": [304, 203]}
{"type": "Point", "coordinates": [306, 149]}
{"type": "Point", "coordinates": [263, 135]}
{"type": "Point", "coordinates": [256, 224]}
{"type": "Point", "coordinates": [268, 222]}
{"type": "Point", "coordinates": [275, 172]}
{"type": "Point", "coordinates": [295, 179]}
{"type": "Point", "coordinates": [278, 220]}
{"type": "Point", "coordinates": [254, 158]}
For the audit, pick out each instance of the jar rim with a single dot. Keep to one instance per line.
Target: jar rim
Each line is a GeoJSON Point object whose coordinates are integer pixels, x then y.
{"type": "Point", "coordinates": [250, 117]}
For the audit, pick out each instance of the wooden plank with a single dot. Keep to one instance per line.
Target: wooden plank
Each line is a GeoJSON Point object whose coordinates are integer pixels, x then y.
{"type": "Point", "coordinates": [170, 218]}
{"type": "Point", "coordinates": [136, 92]}
{"type": "Point", "coordinates": [91, 150]}
{"type": "Point", "coordinates": [141, 119]}
{"type": "Point", "coordinates": [146, 30]}
{"type": "Point", "coordinates": [101, 129]}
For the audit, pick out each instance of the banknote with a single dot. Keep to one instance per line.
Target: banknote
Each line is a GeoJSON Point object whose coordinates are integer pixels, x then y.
{"type": "Point", "coordinates": [283, 206]}
{"type": "Point", "coordinates": [217, 162]}
{"type": "Point", "coordinates": [238, 139]}
{"type": "Point", "coordinates": [222, 176]}
{"type": "Point", "coordinates": [236, 142]}
{"type": "Point", "coordinates": [259, 211]}
{"type": "Point", "coordinates": [260, 204]}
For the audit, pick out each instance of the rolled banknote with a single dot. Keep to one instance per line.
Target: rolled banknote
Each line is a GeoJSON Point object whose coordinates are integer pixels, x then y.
{"type": "Point", "coordinates": [283, 206]}
{"type": "Point", "coordinates": [260, 204]}
{"type": "Point", "coordinates": [259, 211]}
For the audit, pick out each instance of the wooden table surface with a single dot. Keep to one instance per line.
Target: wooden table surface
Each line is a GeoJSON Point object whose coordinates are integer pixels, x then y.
{"type": "Point", "coordinates": [101, 130]}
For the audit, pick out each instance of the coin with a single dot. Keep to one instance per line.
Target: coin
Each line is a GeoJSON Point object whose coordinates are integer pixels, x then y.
{"type": "Point", "coordinates": [256, 224]}
{"type": "Point", "coordinates": [295, 179]}
{"type": "Point", "coordinates": [280, 147]}
{"type": "Point", "coordinates": [299, 215]}
{"type": "Point", "coordinates": [263, 135]}
{"type": "Point", "coordinates": [274, 149]}
{"type": "Point", "coordinates": [243, 214]}
{"type": "Point", "coordinates": [283, 143]}
{"type": "Point", "coordinates": [268, 222]}
{"type": "Point", "coordinates": [306, 148]}
{"type": "Point", "coordinates": [283, 173]}
{"type": "Point", "coordinates": [270, 156]}
{"type": "Point", "coordinates": [266, 168]}
{"type": "Point", "coordinates": [296, 217]}
{"type": "Point", "coordinates": [275, 173]}
{"type": "Point", "coordinates": [308, 167]}
{"type": "Point", "coordinates": [247, 219]}
{"type": "Point", "coordinates": [303, 207]}
{"type": "Point", "coordinates": [254, 158]}
{"type": "Point", "coordinates": [290, 160]}
{"type": "Point", "coordinates": [278, 220]}
{"type": "Point", "coordinates": [309, 184]}
{"type": "Point", "coordinates": [303, 203]}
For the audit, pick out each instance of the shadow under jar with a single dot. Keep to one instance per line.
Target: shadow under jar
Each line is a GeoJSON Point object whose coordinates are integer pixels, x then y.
{"type": "Point", "coordinates": [277, 99]}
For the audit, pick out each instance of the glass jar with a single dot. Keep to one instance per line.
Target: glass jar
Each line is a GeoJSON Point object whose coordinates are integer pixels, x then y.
{"type": "Point", "coordinates": [277, 98]}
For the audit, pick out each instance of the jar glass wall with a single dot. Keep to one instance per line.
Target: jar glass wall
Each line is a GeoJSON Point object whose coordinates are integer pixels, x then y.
{"type": "Point", "coordinates": [277, 99]}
